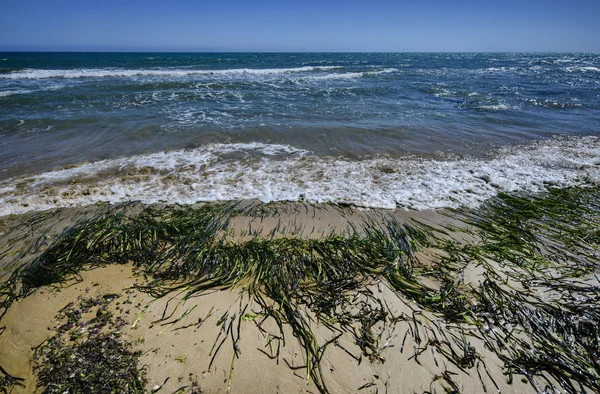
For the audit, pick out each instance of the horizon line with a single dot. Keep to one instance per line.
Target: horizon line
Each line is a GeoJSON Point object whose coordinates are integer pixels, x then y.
{"type": "Point", "coordinates": [241, 51]}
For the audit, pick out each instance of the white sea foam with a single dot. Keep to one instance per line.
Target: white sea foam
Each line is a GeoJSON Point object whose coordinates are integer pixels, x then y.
{"type": "Point", "coordinates": [498, 69]}
{"type": "Point", "coordinates": [582, 69]}
{"type": "Point", "coordinates": [495, 107]}
{"type": "Point", "coordinates": [7, 93]}
{"type": "Point", "coordinates": [565, 60]}
{"type": "Point", "coordinates": [13, 92]}
{"type": "Point", "coordinates": [279, 172]}
{"type": "Point", "coordinates": [548, 103]}
{"type": "Point", "coordinates": [346, 75]}
{"type": "Point", "coordinates": [129, 73]}
{"type": "Point", "coordinates": [54, 87]}
{"type": "Point", "coordinates": [351, 75]}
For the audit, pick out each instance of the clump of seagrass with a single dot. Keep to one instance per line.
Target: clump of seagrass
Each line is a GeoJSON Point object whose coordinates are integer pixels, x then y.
{"type": "Point", "coordinates": [538, 304]}
{"type": "Point", "coordinates": [88, 355]}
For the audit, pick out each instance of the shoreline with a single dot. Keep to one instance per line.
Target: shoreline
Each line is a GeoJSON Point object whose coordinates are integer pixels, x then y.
{"type": "Point", "coordinates": [382, 300]}
{"type": "Point", "coordinates": [279, 173]}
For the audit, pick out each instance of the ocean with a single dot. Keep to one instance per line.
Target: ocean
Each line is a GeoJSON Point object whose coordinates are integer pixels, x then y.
{"type": "Point", "coordinates": [380, 130]}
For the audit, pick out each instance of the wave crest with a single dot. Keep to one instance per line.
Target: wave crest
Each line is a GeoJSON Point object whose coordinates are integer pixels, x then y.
{"type": "Point", "coordinates": [129, 73]}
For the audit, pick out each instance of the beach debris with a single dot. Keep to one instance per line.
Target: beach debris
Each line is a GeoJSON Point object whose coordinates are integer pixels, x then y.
{"type": "Point", "coordinates": [88, 355]}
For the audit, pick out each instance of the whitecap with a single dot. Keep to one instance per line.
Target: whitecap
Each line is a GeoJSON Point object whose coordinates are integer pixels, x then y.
{"type": "Point", "coordinates": [582, 69]}
{"type": "Point", "coordinates": [495, 107]}
{"type": "Point", "coordinates": [128, 73]}
{"type": "Point", "coordinates": [7, 93]}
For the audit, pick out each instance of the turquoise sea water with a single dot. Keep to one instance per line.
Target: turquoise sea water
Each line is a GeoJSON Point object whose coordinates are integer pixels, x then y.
{"type": "Point", "coordinates": [383, 130]}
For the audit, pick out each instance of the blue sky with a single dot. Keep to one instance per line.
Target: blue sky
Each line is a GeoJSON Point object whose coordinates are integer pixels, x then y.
{"type": "Point", "coordinates": [307, 25]}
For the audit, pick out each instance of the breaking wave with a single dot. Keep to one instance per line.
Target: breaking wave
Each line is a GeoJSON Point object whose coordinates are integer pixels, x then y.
{"type": "Point", "coordinates": [165, 72]}
{"type": "Point", "coordinates": [271, 172]}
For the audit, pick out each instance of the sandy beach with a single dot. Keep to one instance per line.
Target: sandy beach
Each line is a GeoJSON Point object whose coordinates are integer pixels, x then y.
{"type": "Point", "coordinates": [372, 331]}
